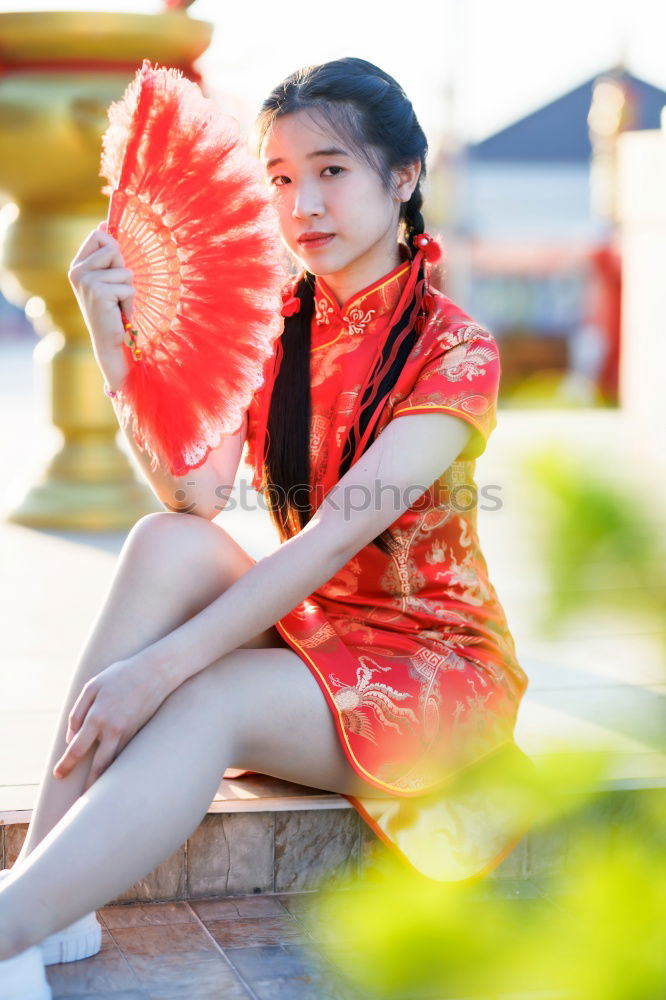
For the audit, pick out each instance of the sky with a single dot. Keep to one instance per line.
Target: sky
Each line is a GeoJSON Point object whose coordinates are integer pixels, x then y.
{"type": "Point", "coordinates": [468, 66]}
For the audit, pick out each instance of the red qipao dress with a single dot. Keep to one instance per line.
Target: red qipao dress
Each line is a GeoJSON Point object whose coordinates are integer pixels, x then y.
{"type": "Point", "coordinates": [412, 650]}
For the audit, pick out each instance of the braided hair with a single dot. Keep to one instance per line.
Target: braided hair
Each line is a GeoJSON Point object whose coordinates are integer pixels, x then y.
{"type": "Point", "coordinates": [370, 112]}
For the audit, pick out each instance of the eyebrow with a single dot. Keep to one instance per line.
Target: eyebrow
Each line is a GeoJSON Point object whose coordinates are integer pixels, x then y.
{"type": "Point", "coordinates": [310, 156]}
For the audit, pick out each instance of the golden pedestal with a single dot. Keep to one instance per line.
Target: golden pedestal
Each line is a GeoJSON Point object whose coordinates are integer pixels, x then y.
{"type": "Point", "coordinates": [61, 71]}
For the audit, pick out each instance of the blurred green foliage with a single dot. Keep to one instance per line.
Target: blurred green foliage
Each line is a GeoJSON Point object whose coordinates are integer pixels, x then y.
{"type": "Point", "coordinates": [592, 930]}
{"type": "Point", "coordinates": [602, 538]}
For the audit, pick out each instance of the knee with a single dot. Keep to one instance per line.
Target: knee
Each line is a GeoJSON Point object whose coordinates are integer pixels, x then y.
{"type": "Point", "coordinates": [170, 533]}
{"type": "Point", "coordinates": [187, 548]}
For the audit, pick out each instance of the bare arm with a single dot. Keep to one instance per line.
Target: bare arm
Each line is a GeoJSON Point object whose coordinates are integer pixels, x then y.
{"type": "Point", "coordinates": [102, 284]}
{"type": "Point", "coordinates": [408, 455]}
{"type": "Point", "coordinates": [203, 491]}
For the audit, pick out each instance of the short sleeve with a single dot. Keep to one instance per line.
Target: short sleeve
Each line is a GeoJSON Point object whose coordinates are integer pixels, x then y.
{"type": "Point", "coordinates": [459, 375]}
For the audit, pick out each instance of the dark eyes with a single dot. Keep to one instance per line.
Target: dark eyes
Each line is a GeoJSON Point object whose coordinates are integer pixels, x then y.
{"type": "Point", "coordinates": [280, 176]}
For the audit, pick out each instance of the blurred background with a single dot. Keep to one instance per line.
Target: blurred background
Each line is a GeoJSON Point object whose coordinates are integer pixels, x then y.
{"type": "Point", "coordinates": [547, 134]}
{"type": "Point", "coordinates": [523, 110]}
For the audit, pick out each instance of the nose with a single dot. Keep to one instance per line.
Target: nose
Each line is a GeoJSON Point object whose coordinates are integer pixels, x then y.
{"type": "Point", "coordinates": [307, 201]}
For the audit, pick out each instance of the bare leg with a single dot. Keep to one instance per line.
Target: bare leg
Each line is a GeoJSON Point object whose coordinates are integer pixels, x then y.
{"type": "Point", "coordinates": [170, 567]}
{"type": "Point", "coordinates": [258, 703]}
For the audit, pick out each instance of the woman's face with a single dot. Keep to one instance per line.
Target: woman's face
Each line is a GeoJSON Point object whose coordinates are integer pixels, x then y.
{"type": "Point", "coordinates": [317, 185]}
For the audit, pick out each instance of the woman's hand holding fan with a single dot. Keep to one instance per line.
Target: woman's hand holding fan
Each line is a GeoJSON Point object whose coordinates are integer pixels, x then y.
{"type": "Point", "coordinates": [102, 286]}
{"type": "Point", "coordinates": [193, 219]}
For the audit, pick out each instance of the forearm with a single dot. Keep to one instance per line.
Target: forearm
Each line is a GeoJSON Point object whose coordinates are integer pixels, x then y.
{"type": "Point", "coordinates": [266, 592]}
{"type": "Point", "coordinates": [114, 370]}
{"type": "Point", "coordinates": [164, 486]}
{"type": "Point", "coordinates": [192, 493]}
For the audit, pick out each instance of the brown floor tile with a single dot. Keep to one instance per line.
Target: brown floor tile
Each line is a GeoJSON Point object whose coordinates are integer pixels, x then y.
{"type": "Point", "coordinates": [106, 972]}
{"type": "Point", "coordinates": [187, 975]}
{"type": "Point", "coordinates": [289, 973]}
{"type": "Point", "coordinates": [177, 959]}
{"type": "Point", "coordinates": [256, 931]}
{"type": "Point", "coordinates": [153, 940]}
{"type": "Point", "coordinates": [236, 907]}
{"type": "Point", "coordinates": [298, 903]}
{"type": "Point", "coordinates": [136, 914]}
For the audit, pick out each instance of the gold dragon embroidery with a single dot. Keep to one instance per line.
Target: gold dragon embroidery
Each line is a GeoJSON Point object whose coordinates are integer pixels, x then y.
{"type": "Point", "coordinates": [369, 694]}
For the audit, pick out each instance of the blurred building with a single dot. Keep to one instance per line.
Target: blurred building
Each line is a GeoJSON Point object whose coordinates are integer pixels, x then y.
{"type": "Point", "coordinates": [535, 226]}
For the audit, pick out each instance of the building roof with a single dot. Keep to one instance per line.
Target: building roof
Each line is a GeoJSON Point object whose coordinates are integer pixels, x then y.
{"type": "Point", "coordinates": [558, 131]}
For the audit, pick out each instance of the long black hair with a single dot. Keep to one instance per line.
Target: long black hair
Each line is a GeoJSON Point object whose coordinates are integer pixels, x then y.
{"type": "Point", "coordinates": [370, 112]}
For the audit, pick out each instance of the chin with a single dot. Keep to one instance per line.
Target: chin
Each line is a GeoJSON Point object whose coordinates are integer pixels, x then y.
{"type": "Point", "coordinates": [319, 263]}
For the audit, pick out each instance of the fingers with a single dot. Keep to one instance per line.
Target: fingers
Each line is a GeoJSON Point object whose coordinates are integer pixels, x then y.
{"type": "Point", "coordinates": [81, 706]}
{"type": "Point", "coordinates": [98, 245]}
{"type": "Point", "coordinates": [76, 750]}
{"type": "Point", "coordinates": [106, 754]}
{"type": "Point", "coordinates": [125, 295]}
{"type": "Point", "coordinates": [92, 243]}
{"type": "Point", "coordinates": [98, 255]}
{"type": "Point", "coordinates": [117, 274]}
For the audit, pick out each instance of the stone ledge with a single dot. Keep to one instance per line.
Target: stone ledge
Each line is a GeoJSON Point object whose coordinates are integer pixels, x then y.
{"type": "Point", "coordinates": [262, 835]}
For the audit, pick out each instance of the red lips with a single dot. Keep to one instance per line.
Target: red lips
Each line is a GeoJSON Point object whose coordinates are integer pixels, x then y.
{"type": "Point", "coordinates": [306, 237]}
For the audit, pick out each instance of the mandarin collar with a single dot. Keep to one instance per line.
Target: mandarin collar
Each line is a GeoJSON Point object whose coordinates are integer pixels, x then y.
{"type": "Point", "coordinates": [377, 298]}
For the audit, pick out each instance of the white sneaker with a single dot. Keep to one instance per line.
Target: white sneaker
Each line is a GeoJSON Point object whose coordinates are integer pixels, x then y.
{"type": "Point", "coordinates": [79, 940]}
{"type": "Point", "coordinates": [23, 977]}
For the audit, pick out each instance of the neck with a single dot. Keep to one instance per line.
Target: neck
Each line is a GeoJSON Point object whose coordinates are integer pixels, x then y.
{"type": "Point", "coordinates": [362, 272]}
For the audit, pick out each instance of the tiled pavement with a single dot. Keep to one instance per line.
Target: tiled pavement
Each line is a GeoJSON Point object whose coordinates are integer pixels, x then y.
{"type": "Point", "coordinates": [262, 947]}
{"type": "Point", "coordinates": [233, 948]}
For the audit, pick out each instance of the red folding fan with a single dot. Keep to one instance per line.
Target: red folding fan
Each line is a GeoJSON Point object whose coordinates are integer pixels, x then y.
{"type": "Point", "coordinates": [193, 219]}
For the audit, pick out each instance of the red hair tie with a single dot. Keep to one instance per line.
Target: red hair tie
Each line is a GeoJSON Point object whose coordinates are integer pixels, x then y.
{"type": "Point", "coordinates": [432, 251]}
{"type": "Point", "coordinates": [290, 301]}
{"type": "Point", "coordinates": [291, 305]}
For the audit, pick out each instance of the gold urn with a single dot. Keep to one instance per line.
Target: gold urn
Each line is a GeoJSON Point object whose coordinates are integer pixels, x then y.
{"type": "Point", "coordinates": [59, 72]}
